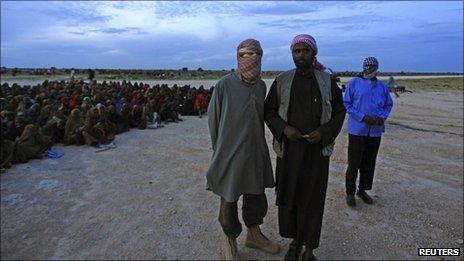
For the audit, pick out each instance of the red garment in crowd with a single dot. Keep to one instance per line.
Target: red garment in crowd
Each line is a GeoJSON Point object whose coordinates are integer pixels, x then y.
{"type": "Point", "coordinates": [75, 100]}
{"type": "Point", "coordinates": [199, 102]}
{"type": "Point", "coordinates": [159, 99]}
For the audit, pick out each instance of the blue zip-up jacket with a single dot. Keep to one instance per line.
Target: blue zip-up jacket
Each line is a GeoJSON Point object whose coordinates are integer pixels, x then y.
{"type": "Point", "coordinates": [364, 99]}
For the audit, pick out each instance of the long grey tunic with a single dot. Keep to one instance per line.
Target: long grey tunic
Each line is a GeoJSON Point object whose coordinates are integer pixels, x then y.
{"type": "Point", "coordinates": [240, 163]}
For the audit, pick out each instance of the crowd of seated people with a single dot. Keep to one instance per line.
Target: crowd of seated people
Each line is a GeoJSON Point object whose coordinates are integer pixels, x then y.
{"type": "Point", "coordinates": [33, 118]}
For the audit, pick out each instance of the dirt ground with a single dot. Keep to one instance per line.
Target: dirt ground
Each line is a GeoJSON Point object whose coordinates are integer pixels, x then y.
{"type": "Point", "coordinates": [146, 199]}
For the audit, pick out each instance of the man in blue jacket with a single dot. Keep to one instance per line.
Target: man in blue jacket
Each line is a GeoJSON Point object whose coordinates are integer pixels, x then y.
{"type": "Point", "coordinates": [368, 104]}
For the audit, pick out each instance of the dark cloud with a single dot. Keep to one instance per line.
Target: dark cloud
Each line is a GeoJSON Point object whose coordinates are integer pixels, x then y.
{"type": "Point", "coordinates": [78, 33]}
{"type": "Point", "coordinates": [75, 15]}
{"type": "Point", "coordinates": [112, 30]}
{"type": "Point", "coordinates": [282, 9]}
{"type": "Point", "coordinates": [351, 27]}
{"type": "Point", "coordinates": [355, 21]}
{"type": "Point", "coordinates": [118, 30]}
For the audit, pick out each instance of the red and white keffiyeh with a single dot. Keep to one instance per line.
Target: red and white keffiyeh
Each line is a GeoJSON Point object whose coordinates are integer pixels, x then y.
{"type": "Point", "coordinates": [309, 40]}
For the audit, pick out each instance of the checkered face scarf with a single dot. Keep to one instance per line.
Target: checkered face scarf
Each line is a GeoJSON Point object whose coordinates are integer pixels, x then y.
{"type": "Point", "coordinates": [249, 67]}
{"type": "Point", "coordinates": [370, 67]}
{"type": "Point", "coordinates": [309, 40]}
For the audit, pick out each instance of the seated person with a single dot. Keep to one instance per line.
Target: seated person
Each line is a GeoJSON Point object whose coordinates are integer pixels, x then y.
{"type": "Point", "coordinates": [31, 144]}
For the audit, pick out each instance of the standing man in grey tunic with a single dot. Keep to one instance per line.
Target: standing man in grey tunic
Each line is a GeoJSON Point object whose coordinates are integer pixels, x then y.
{"type": "Point", "coordinates": [240, 164]}
{"type": "Point", "coordinates": [304, 111]}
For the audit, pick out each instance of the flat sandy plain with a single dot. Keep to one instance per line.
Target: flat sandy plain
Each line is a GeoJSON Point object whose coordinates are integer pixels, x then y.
{"type": "Point", "coordinates": [33, 79]}
{"type": "Point", "coordinates": [146, 199]}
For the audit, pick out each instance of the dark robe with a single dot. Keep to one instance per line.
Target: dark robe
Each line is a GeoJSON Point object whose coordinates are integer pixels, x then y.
{"type": "Point", "coordinates": [92, 136]}
{"type": "Point", "coordinates": [124, 121]}
{"type": "Point", "coordinates": [44, 115]}
{"type": "Point", "coordinates": [31, 144]}
{"type": "Point", "coordinates": [54, 128]}
{"type": "Point", "coordinates": [73, 129]}
{"type": "Point", "coordinates": [113, 120]}
{"type": "Point", "coordinates": [13, 131]}
{"type": "Point", "coordinates": [150, 110]}
{"type": "Point", "coordinates": [302, 172]}
{"type": "Point", "coordinates": [6, 153]}
{"type": "Point", "coordinates": [139, 119]}
{"type": "Point", "coordinates": [59, 136]}
{"type": "Point", "coordinates": [106, 126]}
{"type": "Point", "coordinates": [187, 106]}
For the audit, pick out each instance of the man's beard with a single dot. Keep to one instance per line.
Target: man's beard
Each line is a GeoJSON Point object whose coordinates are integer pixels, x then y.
{"type": "Point", "coordinates": [304, 67]}
{"type": "Point", "coordinates": [304, 63]}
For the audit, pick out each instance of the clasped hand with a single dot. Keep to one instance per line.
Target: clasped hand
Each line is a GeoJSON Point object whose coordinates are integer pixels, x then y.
{"type": "Point", "coordinates": [294, 134]}
{"type": "Point", "coordinates": [373, 120]}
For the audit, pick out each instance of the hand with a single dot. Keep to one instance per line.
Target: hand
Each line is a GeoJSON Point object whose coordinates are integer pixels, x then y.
{"type": "Point", "coordinates": [292, 133]}
{"type": "Point", "coordinates": [379, 121]}
{"type": "Point", "coordinates": [314, 137]}
{"type": "Point", "coordinates": [369, 121]}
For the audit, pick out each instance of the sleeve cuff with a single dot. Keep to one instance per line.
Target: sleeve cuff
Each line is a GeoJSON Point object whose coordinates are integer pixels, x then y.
{"type": "Point", "coordinates": [360, 116]}
{"type": "Point", "coordinates": [324, 136]}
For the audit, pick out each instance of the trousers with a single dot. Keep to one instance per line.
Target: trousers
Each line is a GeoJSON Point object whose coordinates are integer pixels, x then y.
{"type": "Point", "coordinates": [254, 209]}
{"type": "Point", "coordinates": [362, 155]}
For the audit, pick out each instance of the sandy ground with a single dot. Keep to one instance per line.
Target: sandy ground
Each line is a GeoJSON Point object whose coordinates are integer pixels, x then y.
{"type": "Point", "coordinates": [146, 199]}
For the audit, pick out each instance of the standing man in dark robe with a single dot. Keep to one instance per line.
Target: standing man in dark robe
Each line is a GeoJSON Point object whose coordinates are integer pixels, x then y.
{"type": "Point", "coordinates": [240, 164]}
{"type": "Point", "coordinates": [305, 112]}
{"type": "Point", "coordinates": [369, 104]}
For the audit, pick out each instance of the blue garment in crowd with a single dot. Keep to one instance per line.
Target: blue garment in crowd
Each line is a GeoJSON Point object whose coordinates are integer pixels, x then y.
{"type": "Point", "coordinates": [53, 154]}
{"type": "Point", "coordinates": [362, 98]}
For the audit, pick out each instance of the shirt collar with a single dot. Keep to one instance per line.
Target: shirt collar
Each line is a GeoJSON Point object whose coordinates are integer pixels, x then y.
{"type": "Point", "coordinates": [361, 75]}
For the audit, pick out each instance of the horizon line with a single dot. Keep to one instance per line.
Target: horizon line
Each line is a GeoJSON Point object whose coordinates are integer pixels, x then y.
{"type": "Point", "coordinates": [212, 70]}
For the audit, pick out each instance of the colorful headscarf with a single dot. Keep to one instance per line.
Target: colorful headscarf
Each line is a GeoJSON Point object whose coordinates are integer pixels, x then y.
{"type": "Point", "coordinates": [370, 67]}
{"type": "Point", "coordinates": [309, 40]}
{"type": "Point", "coordinates": [249, 67]}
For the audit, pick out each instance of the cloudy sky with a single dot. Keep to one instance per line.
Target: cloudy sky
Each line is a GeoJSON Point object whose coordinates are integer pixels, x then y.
{"type": "Point", "coordinates": [404, 36]}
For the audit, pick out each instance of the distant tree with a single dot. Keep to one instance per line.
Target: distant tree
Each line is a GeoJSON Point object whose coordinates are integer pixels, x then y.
{"type": "Point", "coordinates": [91, 74]}
{"type": "Point", "coordinates": [53, 70]}
{"type": "Point", "coordinates": [185, 69]}
{"type": "Point", "coordinates": [200, 69]}
{"type": "Point", "coordinates": [15, 71]}
{"type": "Point", "coordinates": [232, 70]}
